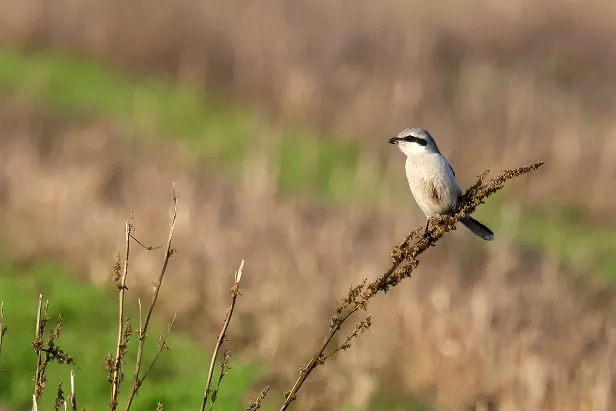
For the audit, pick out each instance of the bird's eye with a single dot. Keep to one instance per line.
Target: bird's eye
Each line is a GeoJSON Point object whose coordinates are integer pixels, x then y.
{"type": "Point", "coordinates": [412, 139]}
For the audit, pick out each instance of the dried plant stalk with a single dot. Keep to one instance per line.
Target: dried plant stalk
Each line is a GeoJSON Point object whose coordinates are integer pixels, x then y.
{"type": "Point", "coordinates": [359, 296]}
{"type": "Point", "coordinates": [256, 403]}
{"type": "Point", "coordinates": [162, 345]}
{"type": "Point", "coordinates": [38, 345]}
{"type": "Point", "coordinates": [2, 328]}
{"type": "Point", "coordinates": [121, 345]}
{"type": "Point", "coordinates": [142, 333]}
{"type": "Point", "coordinates": [235, 291]}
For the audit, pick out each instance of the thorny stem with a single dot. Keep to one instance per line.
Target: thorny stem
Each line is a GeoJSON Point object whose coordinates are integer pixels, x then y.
{"type": "Point", "coordinates": [235, 291]}
{"type": "Point", "coordinates": [143, 331]}
{"type": "Point", "coordinates": [359, 296]}
{"type": "Point", "coordinates": [121, 285]}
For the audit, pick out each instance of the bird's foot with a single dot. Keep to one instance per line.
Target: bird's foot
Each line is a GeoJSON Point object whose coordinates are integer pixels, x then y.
{"type": "Point", "coordinates": [427, 231]}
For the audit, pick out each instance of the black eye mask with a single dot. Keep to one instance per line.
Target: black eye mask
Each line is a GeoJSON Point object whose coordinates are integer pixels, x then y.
{"type": "Point", "coordinates": [420, 141]}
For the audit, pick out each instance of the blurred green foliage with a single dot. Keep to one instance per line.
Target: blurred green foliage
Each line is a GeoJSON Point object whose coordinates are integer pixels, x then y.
{"type": "Point", "coordinates": [215, 131]}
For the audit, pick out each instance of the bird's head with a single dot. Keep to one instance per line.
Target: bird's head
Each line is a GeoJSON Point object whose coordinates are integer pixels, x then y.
{"type": "Point", "coordinates": [412, 141]}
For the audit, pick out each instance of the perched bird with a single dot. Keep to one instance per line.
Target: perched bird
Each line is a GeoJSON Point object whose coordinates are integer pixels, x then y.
{"type": "Point", "coordinates": [432, 180]}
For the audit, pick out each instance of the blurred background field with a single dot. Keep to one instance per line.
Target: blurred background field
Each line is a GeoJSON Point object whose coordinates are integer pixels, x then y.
{"type": "Point", "coordinates": [272, 118]}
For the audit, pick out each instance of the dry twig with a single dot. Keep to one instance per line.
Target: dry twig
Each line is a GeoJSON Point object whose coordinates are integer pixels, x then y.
{"type": "Point", "coordinates": [235, 291]}
{"type": "Point", "coordinates": [39, 376]}
{"type": "Point", "coordinates": [224, 369]}
{"type": "Point", "coordinates": [49, 348]}
{"type": "Point", "coordinates": [359, 296]}
{"type": "Point", "coordinates": [3, 328]}
{"type": "Point", "coordinates": [142, 333]}
{"type": "Point", "coordinates": [118, 361]}
{"type": "Point", "coordinates": [256, 403]}
{"type": "Point", "coordinates": [162, 346]}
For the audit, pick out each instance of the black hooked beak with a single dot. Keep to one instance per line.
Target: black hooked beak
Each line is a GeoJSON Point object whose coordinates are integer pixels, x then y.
{"type": "Point", "coordinates": [394, 140]}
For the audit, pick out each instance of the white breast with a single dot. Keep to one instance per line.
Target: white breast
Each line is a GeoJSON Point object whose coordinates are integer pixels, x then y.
{"type": "Point", "coordinates": [432, 183]}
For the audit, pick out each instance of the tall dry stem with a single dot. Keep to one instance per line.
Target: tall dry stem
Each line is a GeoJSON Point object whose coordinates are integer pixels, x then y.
{"type": "Point", "coordinates": [235, 291]}
{"type": "Point", "coordinates": [38, 345]}
{"type": "Point", "coordinates": [2, 328]}
{"type": "Point", "coordinates": [142, 333]}
{"type": "Point", "coordinates": [360, 295]}
{"type": "Point", "coordinates": [121, 345]}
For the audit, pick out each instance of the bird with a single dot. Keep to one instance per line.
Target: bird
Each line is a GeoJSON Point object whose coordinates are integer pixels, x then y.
{"type": "Point", "coordinates": [432, 180]}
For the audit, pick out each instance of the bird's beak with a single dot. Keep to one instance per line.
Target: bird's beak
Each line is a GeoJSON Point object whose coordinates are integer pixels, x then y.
{"type": "Point", "coordinates": [394, 140]}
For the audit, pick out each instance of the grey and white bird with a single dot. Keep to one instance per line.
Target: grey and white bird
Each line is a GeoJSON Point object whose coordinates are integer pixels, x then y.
{"type": "Point", "coordinates": [432, 179]}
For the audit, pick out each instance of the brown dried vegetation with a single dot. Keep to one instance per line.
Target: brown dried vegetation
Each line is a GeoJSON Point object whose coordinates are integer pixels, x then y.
{"type": "Point", "coordinates": [498, 324]}
{"type": "Point", "coordinates": [503, 322]}
{"type": "Point", "coordinates": [514, 81]}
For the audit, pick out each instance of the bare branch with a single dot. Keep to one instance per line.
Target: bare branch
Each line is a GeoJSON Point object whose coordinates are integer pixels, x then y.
{"type": "Point", "coordinates": [256, 404]}
{"type": "Point", "coordinates": [3, 328]}
{"type": "Point", "coordinates": [121, 345]}
{"type": "Point", "coordinates": [38, 344]}
{"type": "Point", "coordinates": [360, 328]}
{"type": "Point", "coordinates": [359, 296]}
{"type": "Point", "coordinates": [147, 247]}
{"type": "Point", "coordinates": [169, 251]}
{"type": "Point", "coordinates": [224, 369]}
{"type": "Point", "coordinates": [140, 314]}
{"type": "Point", "coordinates": [235, 291]}
{"type": "Point", "coordinates": [162, 345]}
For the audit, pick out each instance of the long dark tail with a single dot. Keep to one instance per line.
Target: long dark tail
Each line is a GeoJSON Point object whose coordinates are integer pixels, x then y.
{"type": "Point", "coordinates": [477, 228]}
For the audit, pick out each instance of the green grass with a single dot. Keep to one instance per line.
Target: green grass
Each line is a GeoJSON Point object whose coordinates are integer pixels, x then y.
{"type": "Point", "coordinates": [572, 242]}
{"type": "Point", "coordinates": [222, 134]}
{"type": "Point", "coordinates": [89, 335]}
{"type": "Point", "coordinates": [216, 131]}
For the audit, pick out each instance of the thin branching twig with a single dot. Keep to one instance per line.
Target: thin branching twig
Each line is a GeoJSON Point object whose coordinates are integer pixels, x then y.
{"type": "Point", "coordinates": [235, 291]}
{"type": "Point", "coordinates": [3, 328]}
{"type": "Point", "coordinates": [49, 348]}
{"type": "Point", "coordinates": [162, 346]}
{"type": "Point", "coordinates": [142, 333]}
{"type": "Point", "coordinates": [360, 328]}
{"type": "Point", "coordinates": [120, 282]}
{"type": "Point", "coordinates": [359, 296]}
{"type": "Point", "coordinates": [256, 403]}
{"type": "Point", "coordinates": [224, 369]}
{"type": "Point", "coordinates": [38, 345]}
